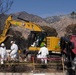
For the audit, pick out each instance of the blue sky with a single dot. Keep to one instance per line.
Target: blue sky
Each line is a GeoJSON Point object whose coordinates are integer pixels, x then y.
{"type": "Point", "coordinates": [44, 8]}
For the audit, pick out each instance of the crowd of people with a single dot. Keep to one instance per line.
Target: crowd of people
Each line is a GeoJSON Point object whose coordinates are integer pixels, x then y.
{"type": "Point", "coordinates": [12, 54]}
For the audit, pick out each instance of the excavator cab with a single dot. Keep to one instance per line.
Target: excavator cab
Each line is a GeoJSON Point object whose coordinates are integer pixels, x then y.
{"type": "Point", "coordinates": [35, 39]}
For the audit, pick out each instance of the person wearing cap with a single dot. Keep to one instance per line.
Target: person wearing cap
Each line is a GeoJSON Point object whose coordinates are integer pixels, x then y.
{"type": "Point", "coordinates": [14, 50]}
{"type": "Point", "coordinates": [3, 53]}
{"type": "Point", "coordinates": [43, 52]}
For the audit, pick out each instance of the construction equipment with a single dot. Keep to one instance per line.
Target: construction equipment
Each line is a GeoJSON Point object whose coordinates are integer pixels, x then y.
{"type": "Point", "coordinates": [9, 21]}
{"type": "Point", "coordinates": [37, 36]}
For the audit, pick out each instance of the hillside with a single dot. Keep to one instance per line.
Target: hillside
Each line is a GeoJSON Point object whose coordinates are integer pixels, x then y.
{"type": "Point", "coordinates": [62, 24]}
{"type": "Point", "coordinates": [30, 17]}
{"type": "Point", "coordinates": [59, 23]}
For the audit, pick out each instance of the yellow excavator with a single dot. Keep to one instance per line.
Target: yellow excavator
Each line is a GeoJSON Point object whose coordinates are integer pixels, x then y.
{"type": "Point", "coordinates": [37, 37]}
{"type": "Point", "coordinates": [9, 21]}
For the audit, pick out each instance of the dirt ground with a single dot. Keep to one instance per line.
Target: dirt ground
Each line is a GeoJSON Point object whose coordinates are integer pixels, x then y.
{"type": "Point", "coordinates": [29, 67]}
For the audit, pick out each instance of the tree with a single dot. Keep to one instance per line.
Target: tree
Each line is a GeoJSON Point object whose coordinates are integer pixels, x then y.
{"type": "Point", "coordinates": [73, 14]}
{"type": "Point", "coordinates": [5, 6]}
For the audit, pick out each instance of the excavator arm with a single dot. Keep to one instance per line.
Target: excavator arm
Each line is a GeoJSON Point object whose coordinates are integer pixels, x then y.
{"type": "Point", "coordinates": [22, 23]}
{"type": "Point", "coordinates": [3, 36]}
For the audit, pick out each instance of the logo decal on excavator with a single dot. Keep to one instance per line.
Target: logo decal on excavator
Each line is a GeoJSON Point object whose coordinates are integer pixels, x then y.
{"type": "Point", "coordinates": [57, 46]}
{"type": "Point", "coordinates": [16, 23]}
{"type": "Point", "coordinates": [23, 24]}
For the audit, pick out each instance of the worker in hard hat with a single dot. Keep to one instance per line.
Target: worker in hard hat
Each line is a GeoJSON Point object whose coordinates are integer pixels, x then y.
{"type": "Point", "coordinates": [14, 50]}
{"type": "Point", "coordinates": [3, 53]}
{"type": "Point", "coordinates": [43, 52]}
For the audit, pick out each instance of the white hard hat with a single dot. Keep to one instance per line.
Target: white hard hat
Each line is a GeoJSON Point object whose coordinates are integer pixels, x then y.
{"type": "Point", "coordinates": [2, 44]}
{"type": "Point", "coordinates": [12, 41]}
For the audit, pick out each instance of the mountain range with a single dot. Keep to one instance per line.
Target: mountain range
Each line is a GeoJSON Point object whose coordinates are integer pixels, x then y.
{"type": "Point", "coordinates": [61, 25]}
{"type": "Point", "coordinates": [60, 22]}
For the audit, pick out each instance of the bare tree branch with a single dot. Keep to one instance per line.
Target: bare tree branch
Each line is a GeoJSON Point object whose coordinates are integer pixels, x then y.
{"type": "Point", "coordinates": [5, 5]}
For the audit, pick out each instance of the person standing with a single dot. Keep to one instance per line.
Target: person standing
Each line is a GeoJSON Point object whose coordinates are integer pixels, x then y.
{"type": "Point", "coordinates": [3, 53]}
{"type": "Point", "coordinates": [43, 52]}
{"type": "Point", "coordinates": [14, 50]}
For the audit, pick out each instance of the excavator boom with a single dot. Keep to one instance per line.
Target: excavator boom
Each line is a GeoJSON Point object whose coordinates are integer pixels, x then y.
{"type": "Point", "coordinates": [27, 25]}
{"type": "Point", "coordinates": [22, 23]}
